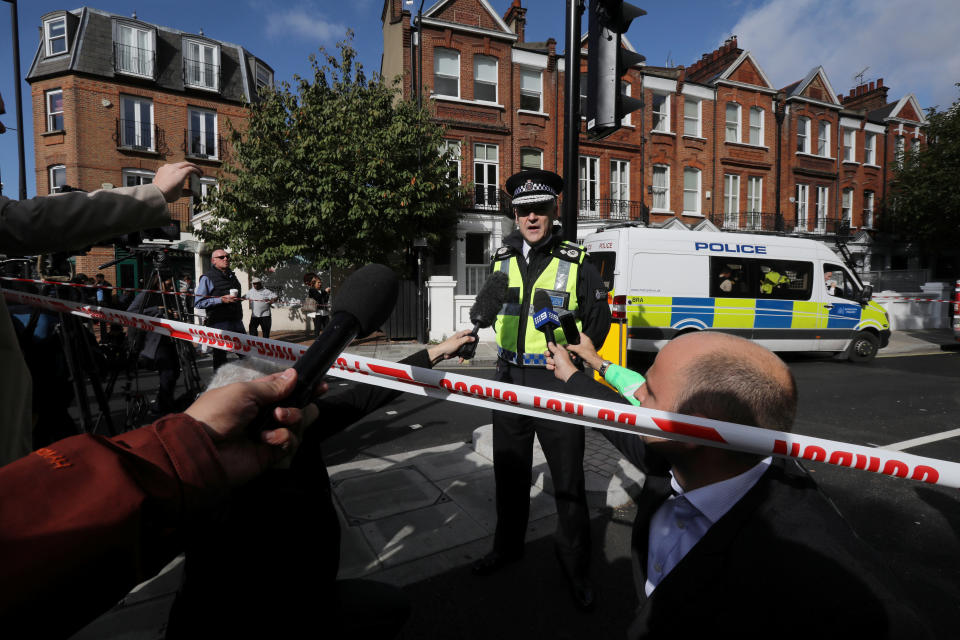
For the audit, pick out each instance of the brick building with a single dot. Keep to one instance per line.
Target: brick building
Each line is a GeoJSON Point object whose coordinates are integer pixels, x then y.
{"type": "Point", "coordinates": [716, 145]}
{"type": "Point", "coordinates": [114, 98]}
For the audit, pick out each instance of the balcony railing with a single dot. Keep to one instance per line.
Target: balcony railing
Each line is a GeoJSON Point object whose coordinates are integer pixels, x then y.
{"type": "Point", "coordinates": [488, 199]}
{"type": "Point", "coordinates": [785, 223]}
{"type": "Point", "coordinates": [138, 135]}
{"type": "Point", "coordinates": [609, 209]}
{"type": "Point", "coordinates": [197, 73]}
{"type": "Point", "coordinates": [200, 144]}
{"type": "Point", "coordinates": [130, 59]}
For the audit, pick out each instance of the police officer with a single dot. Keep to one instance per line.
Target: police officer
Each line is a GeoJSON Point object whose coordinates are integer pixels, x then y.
{"type": "Point", "coordinates": [535, 257]}
{"type": "Point", "coordinates": [224, 310]}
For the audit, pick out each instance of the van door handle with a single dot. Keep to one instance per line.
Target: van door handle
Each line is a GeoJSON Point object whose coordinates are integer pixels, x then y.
{"type": "Point", "coordinates": [828, 306]}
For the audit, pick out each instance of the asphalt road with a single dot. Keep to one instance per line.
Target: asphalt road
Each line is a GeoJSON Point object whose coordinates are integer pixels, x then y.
{"type": "Point", "coordinates": [914, 526]}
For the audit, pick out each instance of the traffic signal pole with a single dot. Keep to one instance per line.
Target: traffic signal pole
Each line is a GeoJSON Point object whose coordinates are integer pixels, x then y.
{"type": "Point", "coordinates": [571, 121]}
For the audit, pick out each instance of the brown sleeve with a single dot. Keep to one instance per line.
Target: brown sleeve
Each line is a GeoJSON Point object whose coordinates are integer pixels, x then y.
{"type": "Point", "coordinates": [86, 519]}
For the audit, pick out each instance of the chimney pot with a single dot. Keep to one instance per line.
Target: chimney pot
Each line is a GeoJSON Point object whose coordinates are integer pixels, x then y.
{"type": "Point", "coordinates": [879, 82]}
{"type": "Point", "coordinates": [871, 87]}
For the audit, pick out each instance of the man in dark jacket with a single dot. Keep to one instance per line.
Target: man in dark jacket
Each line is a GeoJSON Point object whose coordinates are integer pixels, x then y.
{"type": "Point", "coordinates": [730, 541]}
{"type": "Point", "coordinates": [218, 292]}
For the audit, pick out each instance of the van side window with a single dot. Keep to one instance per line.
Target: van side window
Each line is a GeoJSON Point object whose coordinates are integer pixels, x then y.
{"type": "Point", "coordinates": [784, 279]}
{"type": "Point", "coordinates": [728, 279]}
{"type": "Point", "coordinates": [838, 282]}
{"type": "Point", "coordinates": [604, 261]}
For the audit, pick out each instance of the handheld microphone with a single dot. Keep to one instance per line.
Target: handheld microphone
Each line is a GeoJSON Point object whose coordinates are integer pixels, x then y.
{"type": "Point", "coordinates": [368, 296]}
{"type": "Point", "coordinates": [569, 325]}
{"type": "Point", "coordinates": [485, 308]}
{"type": "Point", "coordinates": [544, 317]}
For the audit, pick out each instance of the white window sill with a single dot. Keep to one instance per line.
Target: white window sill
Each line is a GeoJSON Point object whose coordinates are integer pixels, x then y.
{"type": "Point", "coordinates": [667, 211]}
{"type": "Point", "coordinates": [854, 162]}
{"type": "Point", "coordinates": [479, 103]}
{"type": "Point", "coordinates": [202, 87]}
{"type": "Point", "coordinates": [868, 165]}
{"type": "Point", "coordinates": [695, 214]}
{"type": "Point", "coordinates": [533, 113]}
{"type": "Point", "coordinates": [54, 56]}
{"type": "Point", "coordinates": [813, 155]}
{"type": "Point", "coordinates": [689, 137]}
{"type": "Point", "coordinates": [134, 74]}
{"type": "Point", "coordinates": [663, 133]}
{"type": "Point", "coordinates": [748, 145]}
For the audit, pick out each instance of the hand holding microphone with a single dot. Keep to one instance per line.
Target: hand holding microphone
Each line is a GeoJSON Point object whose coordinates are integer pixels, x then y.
{"type": "Point", "coordinates": [544, 317]}
{"type": "Point", "coordinates": [485, 308]}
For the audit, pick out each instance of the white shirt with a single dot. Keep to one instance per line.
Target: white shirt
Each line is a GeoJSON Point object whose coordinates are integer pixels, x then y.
{"type": "Point", "coordinates": [259, 307]}
{"type": "Point", "coordinates": [682, 520]}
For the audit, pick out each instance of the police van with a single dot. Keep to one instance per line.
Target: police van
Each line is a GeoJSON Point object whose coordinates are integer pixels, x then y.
{"type": "Point", "coordinates": [787, 294]}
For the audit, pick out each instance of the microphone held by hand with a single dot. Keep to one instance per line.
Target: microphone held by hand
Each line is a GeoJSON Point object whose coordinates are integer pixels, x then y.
{"type": "Point", "coordinates": [485, 308]}
{"type": "Point", "coordinates": [544, 317]}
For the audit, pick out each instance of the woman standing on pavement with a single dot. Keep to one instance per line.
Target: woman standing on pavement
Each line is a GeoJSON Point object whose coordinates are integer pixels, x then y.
{"type": "Point", "coordinates": [321, 296]}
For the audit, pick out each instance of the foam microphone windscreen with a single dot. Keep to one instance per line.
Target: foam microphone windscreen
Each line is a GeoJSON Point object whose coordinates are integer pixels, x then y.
{"type": "Point", "coordinates": [369, 295]}
{"type": "Point", "coordinates": [485, 308]}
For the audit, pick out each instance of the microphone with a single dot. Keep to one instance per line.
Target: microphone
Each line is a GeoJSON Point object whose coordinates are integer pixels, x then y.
{"type": "Point", "coordinates": [367, 297]}
{"type": "Point", "coordinates": [485, 308]}
{"type": "Point", "coordinates": [544, 317]}
{"type": "Point", "coordinates": [569, 325]}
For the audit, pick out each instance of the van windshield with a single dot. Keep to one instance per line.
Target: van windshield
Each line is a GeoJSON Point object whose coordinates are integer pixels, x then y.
{"type": "Point", "coordinates": [839, 283]}
{"type": "Point", "coordinates": [605, 261]}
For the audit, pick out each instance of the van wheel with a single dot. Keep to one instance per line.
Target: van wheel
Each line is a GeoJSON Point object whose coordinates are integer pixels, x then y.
{"type": "Point", "coordinates": [863, 347]}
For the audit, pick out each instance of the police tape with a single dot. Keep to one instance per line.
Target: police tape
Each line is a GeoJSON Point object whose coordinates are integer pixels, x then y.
{"type": "Point", "coordinates": [447, 385]}
{"type": "Point", "coordinates": [885, 298]}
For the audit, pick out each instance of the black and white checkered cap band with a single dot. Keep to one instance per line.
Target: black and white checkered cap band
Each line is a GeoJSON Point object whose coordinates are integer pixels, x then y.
{"type": "Point", "coordinates": [532, 198]}
{"type": "Point", "coordinates": [529, 192]}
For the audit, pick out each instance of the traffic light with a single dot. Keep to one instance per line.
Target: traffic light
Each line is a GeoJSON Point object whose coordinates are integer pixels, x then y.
{"type": "Point", "coordinates": [607, 62]}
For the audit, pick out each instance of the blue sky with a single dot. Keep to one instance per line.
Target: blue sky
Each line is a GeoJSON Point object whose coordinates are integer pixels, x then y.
{"type": "Point", "coordinates": [911, 44]}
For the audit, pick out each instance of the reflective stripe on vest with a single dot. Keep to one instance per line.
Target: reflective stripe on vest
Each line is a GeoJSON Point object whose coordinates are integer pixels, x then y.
{"type": "Point", "coordinates": [559, 275]}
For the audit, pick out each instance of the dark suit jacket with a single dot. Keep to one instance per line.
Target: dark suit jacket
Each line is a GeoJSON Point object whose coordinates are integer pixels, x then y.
{"type": "Point", "coordinates": [781, 563]}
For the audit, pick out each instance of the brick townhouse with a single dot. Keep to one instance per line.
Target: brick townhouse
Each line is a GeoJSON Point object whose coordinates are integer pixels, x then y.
{"type": "Point", "coordinates": [114, 98]}
{"type": "Point", "coordinates": [716, 145]}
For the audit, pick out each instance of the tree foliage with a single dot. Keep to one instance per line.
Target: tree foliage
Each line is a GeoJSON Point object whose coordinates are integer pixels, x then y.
{"type": "Point", "coordinates": [924, 203]}
{"type": "Point", "coordinates": [337, 170]}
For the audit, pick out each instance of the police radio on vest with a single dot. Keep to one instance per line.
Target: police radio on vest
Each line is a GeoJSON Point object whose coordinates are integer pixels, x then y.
{"type": "Point", "coordinates": [731, 248]}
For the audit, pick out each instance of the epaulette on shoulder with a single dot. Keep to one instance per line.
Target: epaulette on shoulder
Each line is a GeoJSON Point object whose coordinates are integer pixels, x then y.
{"type": "Point", "coordinates": [569, 251]}
{"type": "Point", "coordinates": [503, 253]}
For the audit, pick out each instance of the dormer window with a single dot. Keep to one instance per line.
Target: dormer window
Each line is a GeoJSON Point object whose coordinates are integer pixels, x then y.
{"type": "Point", "coordinates": [201, 65]}
{"type": "Point", "coordinates": [133, 50]}
{"type": "Point", "coordinates": [264, 76]}
{"type": "Point", "coordinates": [55, 34]}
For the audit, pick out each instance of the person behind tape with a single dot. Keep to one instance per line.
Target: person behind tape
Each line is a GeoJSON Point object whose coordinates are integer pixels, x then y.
{"type": "Point", "coordinates": [63, 222]}
{"type": "Point", "coordinates": [224, 310]}
{"type": "Point", "coordinates": [535, 257]}
{"type": "Point", "coordinates": [737, 542]}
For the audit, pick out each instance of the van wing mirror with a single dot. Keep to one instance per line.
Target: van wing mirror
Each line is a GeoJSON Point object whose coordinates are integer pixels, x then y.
{"type": "Point", "coordinates": [866, 293]}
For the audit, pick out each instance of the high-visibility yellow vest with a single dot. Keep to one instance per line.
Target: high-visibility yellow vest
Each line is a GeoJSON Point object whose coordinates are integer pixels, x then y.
{"type": "Point", "coordinates": [558, 279]}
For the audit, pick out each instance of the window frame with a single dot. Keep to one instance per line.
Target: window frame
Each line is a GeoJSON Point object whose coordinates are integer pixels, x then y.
{"type": "Point", "coordinates": [529, 71]}
{"type": "Point", "coordinates": [140, 174]}
{"type": "Point", "coordinates": [664, 191]}
{"type": "Point", "coordinates": [201, 44]}
{"type": "Point", "coordinates": [899, 149]}
{"type": "Point", "coordinates": [490, 188]}
{"type": "Point", "coordinates": [759, 128]}
{"type": "Point", "coordinates": [51, 170]}
{"type": "Point", "coordinates": [529, 149]}
{"type": "Point", "coordinates": [851, 148]}
{"type": "Point", "coordinates": [257, 67]}
{"type": "Point", "coordinates": [123, 132]}
{"type": "Point", "coordinates": [619, 197]}
{"type": "Point", "coordinates": [804, 137]}
{"type": "Point", "coordinates": [663, 114]}
{"type": "Point", "coordinates": [699, 189]}
{"type": "Point", "coordinates": [625, 90]}
{"type": "Point", "coordinates": [589, 179]}
{"type": "Point", "coordinates": [438, 54]}
{"type": "Point", "coordinates": [50, 113]}
{"type": "Point", "coordinates": [731, 201]}
{"type": "Point", "coordinates": [737, 125]}
{"type": "Point", "coordinates": [823, 139]}
{"type": "Point", "coordinates": [869, 148]}
{"type": "Point", "coordinates": [216, 138]}
{"type": "Point", "coordinates": [868, 204]}
{"type": "Point", "coordinates": [803, 207]}
{"type": "Point", "coordinates": [477, 58]}
{"type": "Point", "coordinates": [754, 202]}
{"type": "Point", "coordinates": [118, 67]}
{"type": "Point", "coordinates": [687, 119]}
{"type": "Point", "coordinates": [456, 157]}
{"type": "Point", "coordinates": [48, 39]}
{"type": "Point", "coordinates": [821, 209]}
{"type": "Point", "coordinates": [846, 206]}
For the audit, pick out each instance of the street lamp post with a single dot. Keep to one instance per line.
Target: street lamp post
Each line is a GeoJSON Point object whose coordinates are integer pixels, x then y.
{"type": "Point", "coordinates": [16, 83]}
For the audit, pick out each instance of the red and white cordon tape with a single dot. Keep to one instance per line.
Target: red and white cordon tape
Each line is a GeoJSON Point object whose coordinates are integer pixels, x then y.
{"type": "Point", "coordinates": [501, 396]}
{"type": "Point", "coordinates": [885, 298]}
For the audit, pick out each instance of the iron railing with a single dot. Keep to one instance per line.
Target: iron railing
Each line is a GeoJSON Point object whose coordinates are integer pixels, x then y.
{"type": "Point", "coordinates": [610, 209]}
{"type": "Point", "coordinates": [488, 199]}
{"type": "Point", "coordinates": [130, 59]}
{"type": "Point", "coordinates": [197, 73]}
{"type": "Point", "coordinates": [751, 221]}
{"type": "Point", "coordinates": [138, 135]}
{"type": "Point", "coordinates": [198, 144]}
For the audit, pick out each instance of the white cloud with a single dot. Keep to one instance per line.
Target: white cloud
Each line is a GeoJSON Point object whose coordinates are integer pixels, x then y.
{"type": "Point", "coordinates": [912, 45]}
{"type": "Point", "coordinates": [304, 23]}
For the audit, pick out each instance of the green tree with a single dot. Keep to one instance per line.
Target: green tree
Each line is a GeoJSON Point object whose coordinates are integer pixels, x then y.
{"type": "Point", "coordinates": [337, 170]}
{"type": "Point", "coordinates": [923, 204]}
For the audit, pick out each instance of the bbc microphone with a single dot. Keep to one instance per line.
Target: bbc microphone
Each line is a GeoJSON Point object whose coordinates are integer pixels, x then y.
{"type": "Point", "coordinates": [544, 317]}
{"type": "Point", "coordinates": [364, 303]}
{"type": "Point", "coordinates": [485, 308]}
